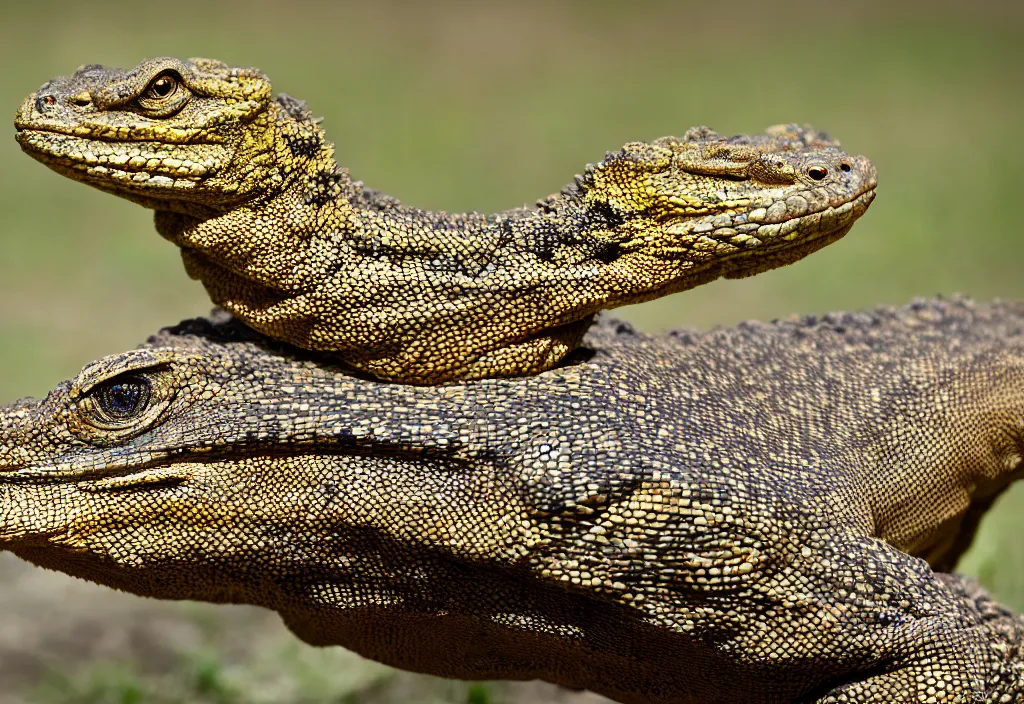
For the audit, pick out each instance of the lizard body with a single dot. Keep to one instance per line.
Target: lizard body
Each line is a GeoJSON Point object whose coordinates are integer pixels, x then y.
{"type": "Point", "coordinates": [283, 238]}
{"type": "Point", "coordinates": [744, 514]}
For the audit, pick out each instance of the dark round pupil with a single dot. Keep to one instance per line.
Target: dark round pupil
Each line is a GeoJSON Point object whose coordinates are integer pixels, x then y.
{"type": "Point", "coordinates": [123, 398]}
{"type": "Point", "coordinates": [163, 87]}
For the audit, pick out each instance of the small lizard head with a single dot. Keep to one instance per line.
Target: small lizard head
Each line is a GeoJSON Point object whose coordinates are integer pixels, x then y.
{"type": "Point", "coordinates": [169, 134]}
{"type": "Point", "coordinates": [211, 464]}
{"type": "Point", "coordinates": [733, 206]}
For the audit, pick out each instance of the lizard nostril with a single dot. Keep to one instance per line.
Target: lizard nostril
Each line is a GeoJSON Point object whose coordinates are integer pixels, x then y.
{"type": "Point", "coordinates": [817, 172]}
{"type": "Point", "coordinates": [845, 166]}
{"type": "Point", "coordinates": [81, 100]}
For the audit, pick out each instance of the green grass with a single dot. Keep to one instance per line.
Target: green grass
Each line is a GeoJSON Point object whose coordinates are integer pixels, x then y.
{"type": "Point", "coordinates": [485, 106]}
{"type": "Point", "coordinates": [479, 694]}
{"type": "Point", "coordinates": [197, 680]}
{"type": "Point", "coordinates": [296, 674]}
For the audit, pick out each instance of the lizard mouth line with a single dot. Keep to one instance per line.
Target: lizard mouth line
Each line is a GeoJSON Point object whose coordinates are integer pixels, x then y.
{"type": "Point", "coordinates": [37, 133]}
{"type": "Point", "coordinates": [179, 468]}
{"type": "Point", "coordinates": [87, 154]}
{"type": "Point", "coordinates": [106, 173]}
{"type": "Point", "coordinates": [73, 157]}
{"type": "Point", "coordinates": [783, 234]}
{"type": "Point", "coordinates": [56, 475]}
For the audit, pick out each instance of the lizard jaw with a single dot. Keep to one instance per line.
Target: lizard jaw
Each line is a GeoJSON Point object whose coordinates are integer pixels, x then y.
{"type": "Point", "coordinates": [797, 243]}
{"type": "Point", "coordinates": [120, 168]}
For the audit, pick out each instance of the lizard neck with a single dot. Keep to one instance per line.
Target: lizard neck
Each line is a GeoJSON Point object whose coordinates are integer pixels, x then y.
{"type": "Point", "coordinates": [312, 212]}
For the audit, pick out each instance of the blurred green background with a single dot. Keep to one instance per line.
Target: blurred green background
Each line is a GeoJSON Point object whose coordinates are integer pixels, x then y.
{"type": "Point", "coordinates": [483, 106]}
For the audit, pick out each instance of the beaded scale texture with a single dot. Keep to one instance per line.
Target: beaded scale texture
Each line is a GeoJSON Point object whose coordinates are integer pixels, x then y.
{"type": "Point", "coordinates": [760, 514]}
{"type": "Point", "coordinates": [741, 515]}
{"type": "Point", "coordinates": [286, 241]}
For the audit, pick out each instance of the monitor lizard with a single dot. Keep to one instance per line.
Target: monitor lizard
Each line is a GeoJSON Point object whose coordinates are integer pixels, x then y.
{"type": "Point", "coordinates": [758, 514]}
{"type": "Point", "coordinates": [281, 236]}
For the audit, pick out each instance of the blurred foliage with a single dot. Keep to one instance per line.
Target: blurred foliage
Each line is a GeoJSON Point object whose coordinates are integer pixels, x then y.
{"type": "Point", "coordinates": [484, 106]}
{"type": "Point", "coordinates": [299, 675]}
{"type": "Point", "coordinates": [122, 683]}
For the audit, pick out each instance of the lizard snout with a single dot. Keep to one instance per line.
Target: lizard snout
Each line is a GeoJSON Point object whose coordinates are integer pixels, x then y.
{"type": "Point", "coordinates": [844, 169]}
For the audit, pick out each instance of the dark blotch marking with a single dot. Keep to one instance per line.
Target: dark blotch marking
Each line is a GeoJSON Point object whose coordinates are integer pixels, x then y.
{"type": "Point", "coordinates": [602, 215]}
{"type": "Point", "coordinates": [597, 218]}
{"type": "Point", "coordinates": [323, 188]}
{"type": "Point", "coordinates": [683, 337]}
{"type": "Point", "coordinates": [302, 145]}
{"type": "Point", "coordinates": [542, 239]}
{"type": "Point", "coordinates": [607, 252]}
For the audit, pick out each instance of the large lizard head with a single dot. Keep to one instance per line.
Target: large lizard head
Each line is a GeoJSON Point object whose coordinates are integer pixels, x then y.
{"type": "Point", "coordinates": [214, 453]}
{"type": "Point", "coordinates": [168, 132]}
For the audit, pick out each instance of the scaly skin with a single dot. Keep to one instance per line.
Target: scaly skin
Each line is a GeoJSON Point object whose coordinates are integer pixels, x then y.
{"type": "Point", "coordinates": [280, 236]}
{"type": "Point", "coordinates": [730, 516]}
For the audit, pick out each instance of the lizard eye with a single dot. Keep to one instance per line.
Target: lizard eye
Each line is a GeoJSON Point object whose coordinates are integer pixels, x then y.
{"type": "Point", "coordinates": [123, 398]}
{"type": "Point", "coordinates": [164, 96]}
{"type": "Point", "coordinates": [162, 87]}
{"type": "Point", "coordinates": [123, 406]}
